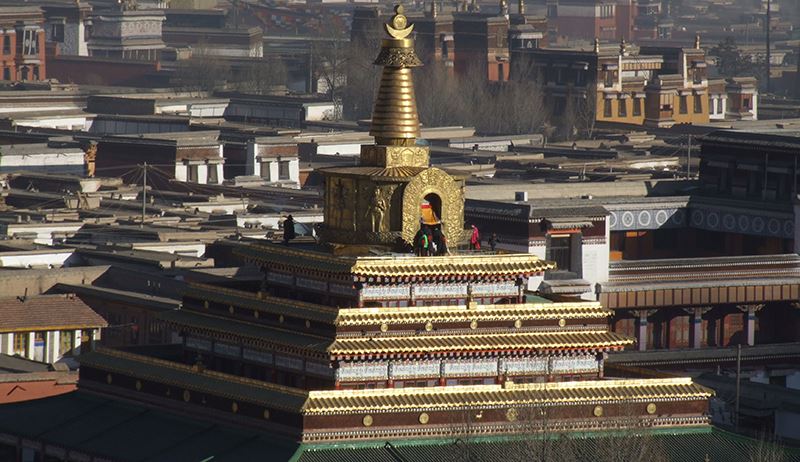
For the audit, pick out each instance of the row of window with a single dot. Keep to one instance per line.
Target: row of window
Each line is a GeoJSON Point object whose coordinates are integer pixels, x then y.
{"type": "Point", "coordinates": [21, 343]}
{"type": "Point", "coordinates": [25, 73]}
{"type": "Point", "coordinates": [666, 106]}
{"type": "Point", "coordinates": [622, 107]}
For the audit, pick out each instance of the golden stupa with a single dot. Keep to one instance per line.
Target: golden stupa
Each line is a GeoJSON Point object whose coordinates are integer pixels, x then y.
{"type": "Point", "coordinates": [379, 203]}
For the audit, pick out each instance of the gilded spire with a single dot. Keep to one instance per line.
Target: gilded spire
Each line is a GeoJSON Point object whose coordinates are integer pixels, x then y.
{"type": "Point", "coordinates": [395, 121]}
{"type": "Point", "coordinates": [434, 9]}
{"type": "Point", "coordinates": [504, 8]}
{"type": "Point", "coordinates": [521, 7]}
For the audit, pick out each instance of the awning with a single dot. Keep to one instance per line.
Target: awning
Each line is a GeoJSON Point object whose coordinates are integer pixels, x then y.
{"type": "Point", "coordinates": [569, 223]}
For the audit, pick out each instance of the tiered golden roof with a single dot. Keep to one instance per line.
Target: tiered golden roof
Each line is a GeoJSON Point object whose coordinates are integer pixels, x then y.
{"type": "Point", "coordinates": [493, 396]}
{"type": "Point", "coordinates": [479, 342]}
{"type": "Point", "coordinates": [479, 313]}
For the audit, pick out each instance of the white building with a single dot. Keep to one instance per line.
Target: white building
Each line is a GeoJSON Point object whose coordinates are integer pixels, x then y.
{"type": "Point", "coordinates": [47, 328]}
{"type": "Point", "coordinates": [275, 160]}
{"type": "Point", "coordinates": [65, 158]}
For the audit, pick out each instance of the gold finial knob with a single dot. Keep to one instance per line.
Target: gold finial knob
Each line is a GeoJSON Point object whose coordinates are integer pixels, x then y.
{"type": "Point", "coordinates": [398, 27]}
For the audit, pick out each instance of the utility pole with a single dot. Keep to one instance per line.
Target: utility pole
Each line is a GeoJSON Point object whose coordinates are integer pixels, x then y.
{"type": "Point", "coordinates": [769, 53]}
{"type": "Point", "coordinates": [144, 193]}
{"type": "Point", "coordinates": [738, 380]}
{"type": "Point", "coordinates": [689, 159]}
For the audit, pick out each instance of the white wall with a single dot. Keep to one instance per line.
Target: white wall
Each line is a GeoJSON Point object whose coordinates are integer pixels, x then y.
{"type": "Point", "coordinates": [65, 162]}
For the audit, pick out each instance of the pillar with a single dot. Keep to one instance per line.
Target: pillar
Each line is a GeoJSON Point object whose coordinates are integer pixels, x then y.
{"type": "Point", "coordinates": [51, 343]}
{"type": "Point", "coordinates": [31, 345]}
{"type": "Point", "coordinates": [7, 342]}
{"type": "Point", "coordinates": [641, 329]}
{"type": "Point", "coordinates": [696, 324]}
{"type": "Point", "coordinates": [750, 322]}
{"type": "Point", "coordinates": [77, 341]}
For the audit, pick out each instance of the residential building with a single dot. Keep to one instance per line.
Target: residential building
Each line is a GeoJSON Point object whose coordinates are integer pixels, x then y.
{"type": "Point", "coordinates": [22, 51]}
{"type": "Point", "coordinates": [47, 328]}
{"type": "Point", "coordinates": [275, 159]}
{"type": "Point", "coordinates": [194, 157]}
{"type": "Point", "coordinates": [654, 87]}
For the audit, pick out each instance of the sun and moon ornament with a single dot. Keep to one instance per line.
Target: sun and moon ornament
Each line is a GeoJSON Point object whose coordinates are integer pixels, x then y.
{"type": "Point", "coordinates": [398, 27]}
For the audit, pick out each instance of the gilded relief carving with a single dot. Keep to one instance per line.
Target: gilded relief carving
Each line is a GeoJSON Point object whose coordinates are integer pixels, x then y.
{"type": "Point", "coordinates": [376, 216]}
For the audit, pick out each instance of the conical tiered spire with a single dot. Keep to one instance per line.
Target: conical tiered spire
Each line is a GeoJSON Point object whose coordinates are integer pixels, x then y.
{"type": "Point", "coordinates": [395, 121]}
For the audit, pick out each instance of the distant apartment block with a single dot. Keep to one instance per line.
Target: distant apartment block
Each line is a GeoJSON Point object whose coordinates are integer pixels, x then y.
{"type": "Point", "coordinates": [656, 87]}
{"type": "Point", "coordinates": [22, 51]}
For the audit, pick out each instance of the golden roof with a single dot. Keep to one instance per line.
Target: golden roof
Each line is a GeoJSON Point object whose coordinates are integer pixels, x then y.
{"type": "Point", "coordinates": [456, 313]}
{"type": "Point", "coordinates": [262, 302]}
{"type": "Point", "coordinates": [477, 342]}
{"type": "Point", "coordinates": [498, 396]}
{"type": "Point", "coordinates": [472, 265]}
{"type": "Point", "coordinates": [396, 265]}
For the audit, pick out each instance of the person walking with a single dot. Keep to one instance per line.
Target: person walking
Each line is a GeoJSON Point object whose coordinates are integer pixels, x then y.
{"type": "Point", "coordinates": [475, 239]}
{"type": "Point", "coordinates": [493, 240]}
{"type": "Point", "coordinates": [288, 229]}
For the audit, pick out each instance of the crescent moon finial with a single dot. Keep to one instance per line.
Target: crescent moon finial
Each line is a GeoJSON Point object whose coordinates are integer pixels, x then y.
{"type": "Point", "coordinates": [398, 27]}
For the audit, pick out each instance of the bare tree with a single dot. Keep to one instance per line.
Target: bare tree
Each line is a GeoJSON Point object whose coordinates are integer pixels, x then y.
{"type": "Point", "coordinates": [585, 110]}
{"type": "Point", "coordinates": [331, 58]}
{"type": "Point", "coordinates": [362, 77]}
{"type": "Point", "coordinates": [203, 72]}
{"type": "Point", "coordinates": [766, 451]}
{"type": "Point", "coordinates": [513, 107]}
{"type": "Point", "coordinates": [261, 77]}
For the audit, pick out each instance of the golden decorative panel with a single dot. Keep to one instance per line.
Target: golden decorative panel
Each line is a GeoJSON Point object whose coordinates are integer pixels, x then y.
{"type": "Point", "coordinates": [512, 414]}
{"type": "Point", "coordinates": [109, 379]}
{"type": "Point", "coordinates": [395, 156]}
{"type": "Point", "coordinates": [138, 385]}
{"type": "Point", "coordinates": [651, 408]}
{"type": "Point", "coordinates": [234, 407]}
{"type": "Point", "coordinates": [424, 418]}
{"type": "Point", "coordinates": [598, 411]}
{"type": "Point", "coordinates": [187, 395]}
{"type": "Point", "coordinates": [450, 194]}
{"type": "Point", "coordinates": [367, 420]}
